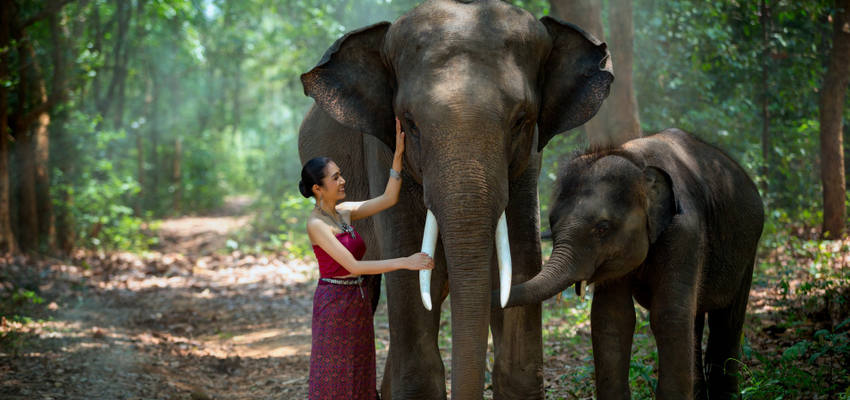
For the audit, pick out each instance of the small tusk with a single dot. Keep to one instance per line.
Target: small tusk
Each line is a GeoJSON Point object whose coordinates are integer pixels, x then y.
{"type": "Point", "coordinates": [580, 290]}
{"type": "Point", "coordinates": [503, 252]}
{"type": "Point", "coordinates": [429, 243]}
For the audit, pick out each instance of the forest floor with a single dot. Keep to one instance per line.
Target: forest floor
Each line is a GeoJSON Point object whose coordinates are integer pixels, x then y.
{"type": "Point", "coordinates": [189, 320]}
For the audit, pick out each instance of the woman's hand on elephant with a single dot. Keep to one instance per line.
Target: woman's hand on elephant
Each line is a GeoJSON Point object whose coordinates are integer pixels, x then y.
{"type": "Point", "coordinates": [420, 261]}
{"type": "Point", "coordinates": [399, 139]}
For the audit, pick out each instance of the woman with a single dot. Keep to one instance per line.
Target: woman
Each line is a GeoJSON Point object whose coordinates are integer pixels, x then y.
{"type": "Point", "coordinates": [342, 360]}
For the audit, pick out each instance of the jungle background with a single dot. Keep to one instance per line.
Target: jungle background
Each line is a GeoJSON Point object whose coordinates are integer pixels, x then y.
{"type": "Point", "coordinates": [152, 236]}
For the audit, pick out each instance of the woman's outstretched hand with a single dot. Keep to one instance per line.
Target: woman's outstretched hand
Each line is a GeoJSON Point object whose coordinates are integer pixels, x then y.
{"type": "Point", "coordinates": [399, 139]}
{"type": "Point", "coordinates": [420, 261]}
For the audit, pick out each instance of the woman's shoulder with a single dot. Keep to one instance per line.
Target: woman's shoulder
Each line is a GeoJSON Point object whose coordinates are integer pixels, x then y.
{"type": "Point", "coordinates": [344, 209]}
{"type": "Point", "coordinates": [316, 224]}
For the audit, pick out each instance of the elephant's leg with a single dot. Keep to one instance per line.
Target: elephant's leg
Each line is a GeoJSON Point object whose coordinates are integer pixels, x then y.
{"type": "Point", "coordinates": [517, 336]}
{"type": "Point", "coordinates": [672, 315]}
{"type": "Point", "coordinates": [699, 380]}
{"type": "Point", "coordinates": [414, 369]}
{"type": "Point", "coordinates": [723, 354]}
{"type": "Point", "coordinates": [612, 321]}
{"type": "Point", "coordinates": [675, 265]}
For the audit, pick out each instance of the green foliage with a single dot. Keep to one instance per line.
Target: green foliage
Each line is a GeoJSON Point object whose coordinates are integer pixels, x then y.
{"type": "Point", "coordinates": [222, 79]}
{"type": "Point", "coordinates": [16, 304]}
{"type": "Point", "coordinates": [812, 280]}
{"type": "Point", "coordinates": [709, 68]}
{"type": "Point", "coordinates": [798, 369]}
{"type": "Point", "coordinates": [101, 188]}
{"type": "Point", "coordinates": [281, 227]}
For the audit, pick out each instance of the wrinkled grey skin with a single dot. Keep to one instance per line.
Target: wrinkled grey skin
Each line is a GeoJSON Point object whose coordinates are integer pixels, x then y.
{"type": "Point", "coordinates": [480, 88]}
{"type": "Point", "coordinates": [674, 223]}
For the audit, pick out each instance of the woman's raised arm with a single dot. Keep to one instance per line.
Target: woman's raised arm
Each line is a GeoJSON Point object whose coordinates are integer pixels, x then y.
{"type": "Point", "coordinates": [362, 209]}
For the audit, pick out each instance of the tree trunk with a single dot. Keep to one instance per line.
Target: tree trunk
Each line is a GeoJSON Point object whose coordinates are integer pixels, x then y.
{"type": "Point", "coordinates": [620, 113]}
{"type": "Point", "coordinates": [176, 177]}
{"type": "Point", "coordinates": [44, 203]}
{"type": "Point", "coordinates": [587, 14]}
{"type": "Point", "coordinates": [766, 144]}
{"type": "Point", "coordinates": [63, 159]}
{"type": "Point", "coordinates": [27, 214]}
{"type": "Point", "coordinates": [7, 237]}
{"type": "Point", "coordinates": [140, 150]}
{"type": "Point", "coordinates": [831, 108]}
{"type": "Point", "coordinates": [237, 86]}
{"type": "Point", "coordinates": [24, 151]}
{"type": "Point", "coordinates": [155, 125]}
{"type": "Point", "coordinates": [64, 220]}
{"type": "Point", "coordinates": [40, 136]}
{"type": "Point", "coordinates": [140, 144]}
{"type": "Point", "coordinates": [97, 48]}
{"type": "Point", "coordinates": [123, 13]}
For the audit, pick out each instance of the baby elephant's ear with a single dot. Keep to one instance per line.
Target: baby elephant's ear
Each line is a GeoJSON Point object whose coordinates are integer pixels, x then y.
{"type": "Point", "coordinates": [661, 201]}
{"type": "Point", "coordinates": [577, 77]}
{"type": "Point", "coordinates": [353, 85]}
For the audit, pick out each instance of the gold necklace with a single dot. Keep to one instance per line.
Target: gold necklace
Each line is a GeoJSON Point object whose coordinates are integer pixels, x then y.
{"type": "Point", "coordinates": [342, 225]}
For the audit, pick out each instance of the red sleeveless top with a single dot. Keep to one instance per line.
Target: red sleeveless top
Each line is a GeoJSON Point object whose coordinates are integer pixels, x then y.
{"type": "Point", "coordinates": [328, 267]}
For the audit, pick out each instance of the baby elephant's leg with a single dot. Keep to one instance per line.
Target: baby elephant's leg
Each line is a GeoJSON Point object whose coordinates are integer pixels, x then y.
{"type": "Point", "coordinates": [723, 355]}
{"type": "Point", "coordinates": [672, 317]}
{"type": "Point", "coordinates": [612, 320]}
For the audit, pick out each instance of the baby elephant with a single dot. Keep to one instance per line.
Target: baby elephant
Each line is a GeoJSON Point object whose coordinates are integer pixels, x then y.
{"type": "Point", "coordinates": [673, 223]}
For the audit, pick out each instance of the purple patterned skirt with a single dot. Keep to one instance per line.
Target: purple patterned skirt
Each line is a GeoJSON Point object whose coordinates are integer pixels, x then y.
{"type": "Point", "coordinates": [342, 359]}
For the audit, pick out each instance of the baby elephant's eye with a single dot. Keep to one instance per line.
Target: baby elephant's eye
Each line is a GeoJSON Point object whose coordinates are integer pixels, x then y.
{"type": "Point", "coordinates": [602, 227]}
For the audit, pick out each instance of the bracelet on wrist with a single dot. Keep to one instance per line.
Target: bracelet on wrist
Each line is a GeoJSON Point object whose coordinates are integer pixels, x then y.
{"type": "Point", "coordinates": [395, 174]}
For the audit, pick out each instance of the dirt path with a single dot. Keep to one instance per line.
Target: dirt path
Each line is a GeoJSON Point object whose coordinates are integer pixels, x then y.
{"type": "Point", "coordinates": [191, 320]}
{"type": "Point", "coordinates": [185, 321]}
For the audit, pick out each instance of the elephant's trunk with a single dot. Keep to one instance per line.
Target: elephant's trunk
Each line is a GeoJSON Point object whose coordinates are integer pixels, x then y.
{"type": "Point", "coordinates": [557, 274]}
{"type": "Point", "coordinates": [467, 222]}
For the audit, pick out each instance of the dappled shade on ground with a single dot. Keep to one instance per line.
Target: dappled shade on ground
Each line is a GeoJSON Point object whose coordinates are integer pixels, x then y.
{"type": "Point", "coordinates": [190, 320]}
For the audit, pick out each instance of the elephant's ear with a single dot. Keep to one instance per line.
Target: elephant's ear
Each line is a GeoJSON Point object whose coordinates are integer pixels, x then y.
{"type": "Point", "coordinates": [577, 76]}
{"type": "Point", "coordinates": [353, 85]}
{"type": "Point", "coordinates": [661, 201]}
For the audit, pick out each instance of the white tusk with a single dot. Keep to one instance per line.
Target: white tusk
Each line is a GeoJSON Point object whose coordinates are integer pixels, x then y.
{"type": "Point", "coordinates": [503, 252]}
{"type": "Point", "coordinates": [581, 290]}
{"type": "Point", "coordinates": [429, 243]}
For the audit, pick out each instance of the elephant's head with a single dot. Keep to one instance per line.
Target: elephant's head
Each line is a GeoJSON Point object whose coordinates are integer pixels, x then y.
{"type": "Point", "coordinates": [608, 209]}
{"type": "Point", "coordinates": [479, 86]}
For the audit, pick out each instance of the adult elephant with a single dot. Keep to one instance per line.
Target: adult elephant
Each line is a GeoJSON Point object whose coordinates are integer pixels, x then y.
{"type": "Point", "coordinates": [480, 88]}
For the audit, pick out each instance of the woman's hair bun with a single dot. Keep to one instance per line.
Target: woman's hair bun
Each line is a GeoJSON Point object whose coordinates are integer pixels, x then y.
{"type": "Point", "coordinates": [305, 191]}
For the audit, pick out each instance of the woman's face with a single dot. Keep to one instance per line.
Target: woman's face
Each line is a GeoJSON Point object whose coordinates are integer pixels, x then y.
{"type": "Point", "coordinates": [333, 184]}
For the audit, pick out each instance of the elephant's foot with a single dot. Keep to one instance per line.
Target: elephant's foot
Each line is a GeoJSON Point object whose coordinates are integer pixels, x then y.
{"type": "Point", "coordinates": [414, 378]}
{"type": "Point", "coordinates": [518, 384]}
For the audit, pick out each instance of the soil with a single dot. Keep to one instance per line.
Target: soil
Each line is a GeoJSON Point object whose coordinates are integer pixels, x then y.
{"type": "Point", "coordinates": [185, 321]}
{"type": "Point", "coordinates": [191, 320]}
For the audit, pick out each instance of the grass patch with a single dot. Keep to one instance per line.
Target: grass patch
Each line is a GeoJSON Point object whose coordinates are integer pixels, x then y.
{"type": "Point", "coordinates": [17, 304]}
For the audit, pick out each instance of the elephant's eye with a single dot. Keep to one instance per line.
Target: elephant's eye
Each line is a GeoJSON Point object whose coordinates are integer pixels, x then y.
{"type": "Point", "coordinates": [519, 123]}
{"type": "Point", "coordinates": [411, 126]}
{"type": "Point", "coordinates": [602, 227]}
